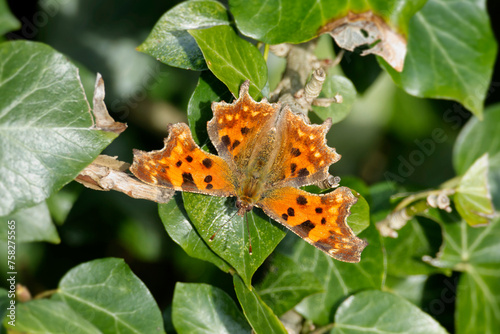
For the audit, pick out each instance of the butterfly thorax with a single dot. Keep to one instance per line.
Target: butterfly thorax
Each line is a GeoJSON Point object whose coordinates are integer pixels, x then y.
{"type": "Point", "coordinates": [254, 179]}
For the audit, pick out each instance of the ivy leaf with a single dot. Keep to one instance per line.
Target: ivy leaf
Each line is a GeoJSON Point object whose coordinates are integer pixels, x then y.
{"type": "Point", "coordinates": [170, 42]}
{"type": "Point", "coordinates": [202, 308]}
{"type": "Point", "coordinates": [8, 22]}
{"type": "Point", "coordinates": [179, 228]}
{"type": "Point", "coordinates": [285, 284]}
{"type": "Point", "coordinates": [259, 315]}
{"type": "Point", "coordinates": [359, 219]}
{"type": "Point", "coordinates": [336, 84]}
{"type": "Point", "coordinates": [451, 52]}
{"type": "Point", "coordinates": [49, 316]}
{"type": "Point", "coordinates": [111, 297]}
{"type": "Point", "coordinates": [418, 238]}
{"type": "Point", "coordinates": [232, 59]}
{"type": "Point", "coordinates": [478, 300]}
{"type": "Point", "coordinates": [382, 312]}
{"type": "Point", "coordinates": [209, 89]}
{"type": "Point", "coordinates": [32, 224]}
{"type": "Point", "coordinates": [473, 199]}
{"type": "Point", "coordinates": [338, 279]}
{"type": "Point", "coordinates": [411, 287]}
{"type": "Point", "coordinates": [465, 245]}
{"type": "Point", "coordinates": [231, 242]}
{"type": "Point", "coordinates": [275, 22]}
{"type": "Point", "coordinates": [46, 130]}
{"type": "Point", "coordinates": [474, 251]}
{"type": "Point", "coordinates": [61, 203]}
{"type": "Point", "coordinates": [473, 141]}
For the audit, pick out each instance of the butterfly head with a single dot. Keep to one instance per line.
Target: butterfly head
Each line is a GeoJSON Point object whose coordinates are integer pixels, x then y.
{"type": "Point", "coordinates": [243, 206]}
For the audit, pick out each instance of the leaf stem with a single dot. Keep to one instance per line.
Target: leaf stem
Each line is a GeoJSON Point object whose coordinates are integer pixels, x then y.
{"type": "Point", "coordinates": [45, 294]}
{"type": "Point", "coordinates": [323, 329]}
{"type": "Point", "coordinates": [266, 51]}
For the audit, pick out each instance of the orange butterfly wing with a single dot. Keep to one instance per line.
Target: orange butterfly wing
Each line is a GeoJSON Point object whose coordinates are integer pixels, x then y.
{"type": "Point", "coordinates": [236, 129]}
{"type": "Point", "coordinates": [182, 165]}
{"type": "Point", "coordinates": [304, 156]}
{"type": "Point", "coordinates": [318, 219]}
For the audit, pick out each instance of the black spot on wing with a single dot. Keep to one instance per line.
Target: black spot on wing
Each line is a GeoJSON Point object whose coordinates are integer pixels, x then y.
{"type": "Point", "coordinates": [207, 162]}
{"type": "Point", "coordinates": [295, 152]}
{"type": "Point", "coordinates": [291, 212]}
{"type": "Point", "coordinates": [187, 180]}
{"type": "Point", "coordinates": [304, 228]}
{"type": "Point", "coordinates": [189, 158]}
{"type": "Point", "coordinates": [303, 172]}
{"type": "Point", "coordinates": [235, 144]}
{"type": "Point", "coordinates": [301, 200]}
{"type": "Point", "coordinates": [226, 140]}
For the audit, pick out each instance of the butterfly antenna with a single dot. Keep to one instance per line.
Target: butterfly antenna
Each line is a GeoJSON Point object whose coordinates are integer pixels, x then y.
{"type": "Point", "coordinates": [220, 227]}
{"type": "Point", "coordinates": [249, 236]}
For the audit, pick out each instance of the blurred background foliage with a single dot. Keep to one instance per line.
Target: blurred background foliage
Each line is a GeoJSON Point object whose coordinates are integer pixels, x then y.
{"type": "Point", "coordinates": [101, 36]}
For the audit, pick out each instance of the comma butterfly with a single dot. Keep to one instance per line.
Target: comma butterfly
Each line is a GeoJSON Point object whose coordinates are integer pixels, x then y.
{"type": "Point", "coordinates": [265, 154]}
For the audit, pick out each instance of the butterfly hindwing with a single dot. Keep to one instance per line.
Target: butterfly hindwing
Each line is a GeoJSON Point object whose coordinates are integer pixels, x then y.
{"type": "Point", "coordinates": [182, 165]}
{"type": "Point", "coordinates": [318, 219]}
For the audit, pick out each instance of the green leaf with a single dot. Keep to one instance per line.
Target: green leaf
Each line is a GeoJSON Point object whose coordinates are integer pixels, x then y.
{"type": "Point", "coordinates": [61, 203]}
{"type": "Point", "coordinates": [231, 242]}
{"type": "Point", "coordinates": [416, 239]}
{"type": "Point", "coordinates": [411, 288]}
{"type": "Point", "coordinates": [179, 228]}
{"type": "Point", "coordinates": [473, 199]}
{"type": "Point", "coordinates": [46, 130]}
{"type": "Point", "coordinates": [473, 250]}
{"type": "Point", "coordinates": [336, 84]}
{"type": "Point", "coordinates": [202, 308]}
{"type": "Point", "coordinates": [285, 284]}
{"type": "Point", "coordinates": [31, 224]}
{"type": "Point", "coordinates": [382, 312]}
{"type": "Point", "coordinates": [8, 22]}
{"type": "Point", "coordinates": [359, 219]}
{"type": "Point", "coordinates": [170, 42]}
{"type": "Point", "coordinates": [232, 59]}
{"type": "Point", "coordinates": [474, 140]}
{"type": "Point", "coordinates": [49, 316]}
{"type": "Point", "coordinates": [478, 300]}
{"type": "Point", "coordinates": [107, 293]}
{"type": "Point", "coordinates": [338, 279]}
{"type": "Point", "coordinates": [275, 22]}
{"type": "Point", "coordinates": [451, 52]}
{"type": "Point", "coordinates": [209, 89]}
{"type": "Point", "coordinates": [259, 315]}
{"type": "Point", "coordinates": [465, 245]}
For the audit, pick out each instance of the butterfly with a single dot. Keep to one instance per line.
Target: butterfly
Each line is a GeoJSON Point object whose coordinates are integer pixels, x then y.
{"type": "Point", "coordinates": [265, 154]}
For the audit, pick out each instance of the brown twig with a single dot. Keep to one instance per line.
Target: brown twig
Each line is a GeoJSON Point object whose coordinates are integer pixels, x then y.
{"type": "Point", "coordinates": [106, 173]}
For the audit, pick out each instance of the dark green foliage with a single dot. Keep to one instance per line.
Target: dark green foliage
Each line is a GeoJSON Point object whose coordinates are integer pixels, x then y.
{"type": "Point", "coordinates": [397, 146]}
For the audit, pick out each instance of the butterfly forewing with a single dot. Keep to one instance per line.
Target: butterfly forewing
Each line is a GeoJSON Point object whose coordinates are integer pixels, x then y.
{"type": "Point", "coordinates": [304, 156]}
{"type": "Point", "coordinates": [236, 128]}
{"type": "Point", "coordinates": [182, 165]}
